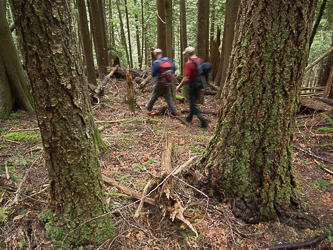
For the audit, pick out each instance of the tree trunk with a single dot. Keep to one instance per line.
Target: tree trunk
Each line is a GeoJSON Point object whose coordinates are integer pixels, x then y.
{"type": "Point", "coordinates": [203, 30]}
{"type": "Point", "coordinates": [327, 69]}
{"type": "Point", "coordinates": [103, 31]}
{"type": "Point", "coordinates": [250, 155]}
{"type": "Point", "coordinates": [215, 53]}
{"type": "Point", "coordinates": [129, 36]}
{"type": "Point", "coordinates": [64, 114]}
{"type": "Point", "coordinates": [97, 23]}
{"type": "Point", "coordinates": [168, 29]}
{"type": "Point", "coordinates": [13, 82]}
{"type": "Point", "coordinates": [231, 12]}
{"type": "Point", "coordinates": [86, 42]}
{"type": "Point", "coordinates": [138, 38]}
{"type": "Point", "coordinates": [123, 39]}
{"type": "Point", "coordinates": [161, 29]}
{"type": "Point", "coordinates": [183, 34]}
{"type": "Point", "coordinates": [142, 30]}
{"type": "Point", "coordinates": [316, 25]}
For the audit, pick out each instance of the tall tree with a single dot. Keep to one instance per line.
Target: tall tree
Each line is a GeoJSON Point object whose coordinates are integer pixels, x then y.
{"type": "Point", "coordinates": [129, 35]}
{"type": "Point", "coordinates": [319, 17]}
{"type": "Point", "coordinates": [103, 31]}
{"type": "Point", "coordinates": [203, 29]}
{"type": "Point", "coordinates": [250, 154]}
{"type": "Point", "coordinates": [228, 37]}
{"type": "Point", "coordinates": [96, 18]}
{"type": "Point", "coordinates": [122, 32]}
{"type": "Point", "coordinates": [142, 30]}
{"type": "Point", "coordinates": [86, 42]}
{"type": "Point", "coordinates": [168, 29]}
{"type": "Point", "coordinates": [183, 34]}
{"type": "Point", "coordinates": [161, 29]}
{"type": "Point", "coordinates": [13, 82]}
{"type": "Point", "coordinates": [76, 192]}
{"type": "Point", "coordinates": [138, 38]}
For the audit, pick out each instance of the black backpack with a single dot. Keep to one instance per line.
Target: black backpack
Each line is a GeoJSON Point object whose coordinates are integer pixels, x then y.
{"type": "Point", "coordinates": [203, 70]}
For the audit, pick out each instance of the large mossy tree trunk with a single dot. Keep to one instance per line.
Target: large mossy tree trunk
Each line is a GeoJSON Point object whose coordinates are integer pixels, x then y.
{"type": "Point", "coordinates": [65, 119]}
{"type": "Point", "coordinates": [13, 82]}
{"type": "Point", "coordinates": [250, 155]}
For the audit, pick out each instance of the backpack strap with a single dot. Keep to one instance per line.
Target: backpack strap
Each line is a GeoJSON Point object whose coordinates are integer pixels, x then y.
{"type": "Point", "coordinates": [197, 65]}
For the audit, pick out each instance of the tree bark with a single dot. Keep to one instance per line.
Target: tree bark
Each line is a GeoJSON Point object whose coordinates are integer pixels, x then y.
{"type": "Point", "coordinates": [103, 31]}
{"type": "Point", "coordinates": [13, 82]}
{"type": "Point", "coordinates": [203, 30]}
{"type": "Point", "coordinates": [329, 63]}
{"type": "Point", "coordinates": [123, 38]}
{"type": "Point", "coordinates": [228, 37]}
{"type": "Point", "coordinates": [86, 42]}
{"type": "Point", "coordinates": [316, 25]}
{"type": "Point", "coordinates": [142, 30]}
{"type": "Point", "coordinates": [161, 29]}
{"type": "Point", "coordinates": [138, 38]}
{"type": "Point", "coordinates": [65, 119]}
{"type": "Point", "coordinates": [250, 154]}
{"type": "Point", "coordinates": [168, 29]}
{"type": "Point", "coordinates": [129, 36]}
{"type": "Point", "coordinates": [97, 23]}
{"type": "Point", "coordinates": [183, 34]}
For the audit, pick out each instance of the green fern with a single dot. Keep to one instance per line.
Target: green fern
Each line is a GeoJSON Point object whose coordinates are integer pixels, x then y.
{"type": "Point", "coordinates": [325, 128]}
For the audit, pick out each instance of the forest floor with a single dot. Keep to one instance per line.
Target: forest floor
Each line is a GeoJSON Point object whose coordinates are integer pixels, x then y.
{"type": "Point", "coordinates": [135, 144]}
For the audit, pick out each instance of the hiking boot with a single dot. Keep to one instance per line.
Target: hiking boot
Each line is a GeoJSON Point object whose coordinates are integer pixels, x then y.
{"type": "Point", "coordinates": [149, 109]}
{"type": "Point", "coordinates": [173, 113]}
{"type": "Point", "coordinates": [204, 124]}
{"type": "Point", "coordinates": [188, 118]}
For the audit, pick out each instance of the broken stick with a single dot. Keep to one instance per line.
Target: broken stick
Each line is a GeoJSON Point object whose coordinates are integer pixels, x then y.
{"type": "Point", "coordinates": [101, 86]}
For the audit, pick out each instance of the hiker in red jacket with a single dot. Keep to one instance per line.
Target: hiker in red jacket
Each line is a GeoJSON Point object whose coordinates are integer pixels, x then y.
{"type": "Point", "coordinates": [194, 87]}
{"type": "Point", "coordinates": [163, 68]}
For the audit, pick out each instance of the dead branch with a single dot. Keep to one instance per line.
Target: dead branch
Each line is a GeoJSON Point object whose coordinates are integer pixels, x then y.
{"type": "Point", "coordinates": [145, 191]}
{"type": "Point", "coordinates": [102, 85]}
{"type": "Point", "coordinates": [126, 190]}
{"type": "Point", "coordinates": [313, 155]}
{"type": "Point", "coordinates": [143, 84]}
{"type": "Point", "coordinates": [210, 92]}
{"type": "Point", "coordinates": [319, 59]}
{"type": "Point", "coordinates": [313, 88]}
{"type": "Point", "coordinates": [25, 176]}
{"type": "Point", "coordinates": [7, 174]}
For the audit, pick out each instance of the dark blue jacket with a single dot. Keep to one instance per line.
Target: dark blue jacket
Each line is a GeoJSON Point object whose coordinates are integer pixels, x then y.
{"type": "Point", "coordinates": [156, 68]}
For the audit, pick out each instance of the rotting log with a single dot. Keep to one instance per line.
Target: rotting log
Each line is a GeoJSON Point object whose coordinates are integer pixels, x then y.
{"type": "Point", "coordinates": [325, 100]}
{"type": "Point", "coordinates": [130, 93]}
{"type": "Point", "coordinates": [143, 84]}
{"type": "Point", "coordinates": [313, 104]}
{"type": "Point", "coordinates": [100, 88]}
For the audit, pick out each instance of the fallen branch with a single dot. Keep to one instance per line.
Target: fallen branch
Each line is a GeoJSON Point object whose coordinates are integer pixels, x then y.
{"type": "Point", "coordinates": [206, 112]}
{"type": "Point", "coordinates": [313, 155]}
{"type": "Point", "coordinates": [7, 173]}
{"type": "Point", "coordinates": [307, 244]}
{"type": "Point", "coordinates": [143, 84]}
{"type": "Point", "coordinates": [23, 180]}
{"type": "Point", "coordinates": [101, 86]}
{"type": "Point", "coordinates": [127, 190]}
{"type": "Point", "coordinates": [28, 129]}
{"type": "Point", "coordinates": [213, 86]}
{"type": "Point", "coordinates": [145, 191]}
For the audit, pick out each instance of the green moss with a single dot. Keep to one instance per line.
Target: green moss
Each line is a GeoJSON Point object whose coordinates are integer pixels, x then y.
{"type": "Point", "coordinates": [22, 136]}
{"type": "Point", "coordinates": [66, 230]}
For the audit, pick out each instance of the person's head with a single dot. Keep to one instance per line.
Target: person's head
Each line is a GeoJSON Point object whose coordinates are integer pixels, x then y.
{"type": "Point", "coordinates": [158, 53]}
{"type": "Point", "coordinates": [189, 51]}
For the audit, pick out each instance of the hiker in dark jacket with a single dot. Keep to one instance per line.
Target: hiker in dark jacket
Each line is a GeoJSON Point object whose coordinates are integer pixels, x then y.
{"type": "Point", "coordinates": [160, 87]}
{"type": "Point", "coordinates": [194, 88]}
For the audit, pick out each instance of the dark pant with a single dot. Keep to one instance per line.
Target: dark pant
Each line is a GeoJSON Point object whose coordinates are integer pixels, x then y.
{"type": "Point", "coordinates": [193, 93]}
{"type": "Point", "coordinates": [161, 90]}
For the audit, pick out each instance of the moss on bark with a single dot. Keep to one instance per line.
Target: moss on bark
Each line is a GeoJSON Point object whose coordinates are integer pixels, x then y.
{"type": "Point", "coordinates": [250, 154]}
{"type": "Point", "coordinates": [69, 134]}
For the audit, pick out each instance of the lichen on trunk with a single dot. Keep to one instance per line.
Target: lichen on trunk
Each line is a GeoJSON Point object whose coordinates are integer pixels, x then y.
{"type": "Point", "coordinates": [250, 154]}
